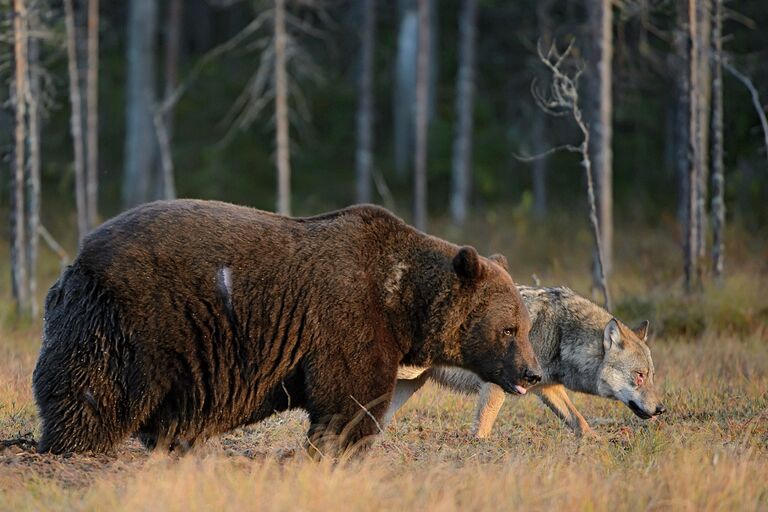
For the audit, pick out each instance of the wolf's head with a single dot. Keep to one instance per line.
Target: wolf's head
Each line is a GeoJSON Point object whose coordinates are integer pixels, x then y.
{"type": "Point", "coordinates": [627, 372]}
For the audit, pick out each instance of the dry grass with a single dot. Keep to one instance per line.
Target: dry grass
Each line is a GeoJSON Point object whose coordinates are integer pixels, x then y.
{"type": "Point", "coordinates": [710, 452]}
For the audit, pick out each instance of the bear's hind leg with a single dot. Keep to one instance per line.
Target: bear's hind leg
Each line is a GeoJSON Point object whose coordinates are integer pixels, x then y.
{"type": "Point", "coordinates": [82, 406]}
{"type": "Point", "coordinates": [79, 421]}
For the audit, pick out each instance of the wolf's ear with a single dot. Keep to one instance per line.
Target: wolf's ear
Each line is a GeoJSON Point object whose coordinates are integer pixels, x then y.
{"type": "Point", "coordinates": [467, 264]}
{"type": "Point", "coordinates": [501, 260]}
{"type": "Point", "coordinates": [642, 330]}
{"type": "Point", "coordinates": [611, 336]}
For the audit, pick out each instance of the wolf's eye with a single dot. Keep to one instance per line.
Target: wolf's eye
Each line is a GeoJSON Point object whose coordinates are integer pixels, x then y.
{"type": "Point", "coordinates": [639, 379]}
{"type": "Point", "coordinates": [508, 331]}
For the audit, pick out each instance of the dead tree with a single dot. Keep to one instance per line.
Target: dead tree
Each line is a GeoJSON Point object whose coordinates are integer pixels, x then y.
{"type": "Point", "coordinates": [33, 171]}
{"type": "Point", "coordinates": [405, 83]}
{"type": "Point", "coordinates": [92, 116]}
{"type": "Point", "coordinates": [601, 123]}
{"type": "Point", "coordinates": [562, 98]}
{"type": "Point", "coordinates": [702, 45]}
{"type": "Point", "coordinates": [19, 277]}
{"type": "Point", "coordinates": [680, 68]}
{"type": "Point", "coordinates": [364, 154]}
{"type": "Point", "coordinates": [718, 175]}
{"type": "Point", "coordinates": [76, 120]}
{"type": "Point", "coordinates": [421, 118]}
{"type": "Point", "coordinates": [465, 90]}
{"type": "Point", "coordinates": [163, 117]}
{"type": "Point", "coordinates": [140, 137]}
{"type": "Point", "coordinates": [281, 112]}
{"type": "Point", "coordinates": [693, 272]}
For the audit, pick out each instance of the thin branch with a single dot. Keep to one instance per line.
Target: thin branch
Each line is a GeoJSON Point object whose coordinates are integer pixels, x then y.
{"type": "Point", "coordinates": [531, 158]}
{"type": "Point", "coordinates": [368, 413]}
{"type": "Point", "coordinates": [53, 245]}
{"type": "Point", "coordinates": [744, 79]}
{"type": "Point", "coordinates": [731, 14]}
{"type": "Point", "coordinates": [303, 26]}
{"type": "Point", "coordinates": [224, 47]}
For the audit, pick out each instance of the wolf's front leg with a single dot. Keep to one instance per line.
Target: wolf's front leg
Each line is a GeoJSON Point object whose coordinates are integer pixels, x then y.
{"type": "Point", "coordinates": [488, 406]}
{"type": "Point", "coordinates": [404, 389]}
{"type": "Point", "coordinates": [555, 397]}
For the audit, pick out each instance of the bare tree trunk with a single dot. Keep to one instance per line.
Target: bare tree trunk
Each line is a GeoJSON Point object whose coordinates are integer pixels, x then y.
{"type": "Point", "coordinates": [164, 123]}
{"type": "Point", "coordinates": [465, 87]}
{"type": "Point", "coordinates": [140, 138]}
{"type": "Point", "coordinates": [704, 21]}
{"type": "Point", "coordinates": [601, 125]}
{"type": "Point", "coordinates": [33, 174]}
{"type": "Point", "coordinates": [680, 67]}
{"type": "Point", "coordinates": [692, 268]}
{"type": "Point", "coordinates": [76, 119]}
{"type": "Point", "coordinates": [421, 119]}
{"type": "Point", "coordinates": [92, 109]}
{"type": "Point", "coordinates": [718, 178]}
{"type": "Point", "coordinates": [405, 83]}
{"type": "Point", "coordinates": [281, 113]}
{"type": "Point", "coordinates": [364, 156]}
{"type": "Point", "coordinates": [19, 282]}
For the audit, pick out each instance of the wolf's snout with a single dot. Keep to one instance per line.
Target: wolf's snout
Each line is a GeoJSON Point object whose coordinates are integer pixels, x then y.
{"type": "Point", "coordinates": [660, 409]}
{"type": "Point", "coordinates": [532, 376]}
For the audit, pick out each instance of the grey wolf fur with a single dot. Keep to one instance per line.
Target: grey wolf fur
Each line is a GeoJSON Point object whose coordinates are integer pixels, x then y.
{"type": "Point", "coordinates": [579, 345]}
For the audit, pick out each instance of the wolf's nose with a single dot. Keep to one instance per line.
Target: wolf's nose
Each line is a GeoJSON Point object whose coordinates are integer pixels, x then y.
{"type": "Point", "coordinates": [660, 409]}
{"type": "Point", "coordinates": [531, 377]}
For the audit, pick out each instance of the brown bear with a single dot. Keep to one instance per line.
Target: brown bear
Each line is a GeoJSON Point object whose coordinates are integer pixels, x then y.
{"type": "Point", "coordinates": [184, 319]}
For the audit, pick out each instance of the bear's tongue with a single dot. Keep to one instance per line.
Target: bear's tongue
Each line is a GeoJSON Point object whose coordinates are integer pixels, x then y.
{"type": "Point", "coordinates": [520, 389]}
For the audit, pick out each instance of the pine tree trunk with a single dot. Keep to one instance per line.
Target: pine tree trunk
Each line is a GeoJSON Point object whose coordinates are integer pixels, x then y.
{"type": "Point", "coordinates": [405, 84]}
{"type": "Point", "coordinates": [718, 177]}
{"type": "Point", "coordinates": [692, 268]}
{"type": "Point", "coordinates": [421, 119]}
{"type": "Point", "coordinates": [680, 67]}
{"type": "Point", "coordinates": [164, 125]}
{"type": "Point", "coordinates": [364, 155]}
{"type": "Point", "coordinates": [140, 138]}
{"type": "Point", "coordinates": [92, 109]}
{"type": "Point", "coordinates": [601, 125]}
{"type": "Point", "coordinates": [281, 113]}
{"type": "Point", "coordinates": [76, 120]}
{"type": "Point", "coordinates": [19, 278]}
{"type": "Point", "coordinates": [704, 35]}
{"type": "Point", "coordinates": [33, 174]}
{"type": "Point", "coordinates": [465, 87]}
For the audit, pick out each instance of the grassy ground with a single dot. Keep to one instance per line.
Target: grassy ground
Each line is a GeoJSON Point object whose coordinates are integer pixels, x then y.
{"type": "Point", "coordinates": [709, 452]}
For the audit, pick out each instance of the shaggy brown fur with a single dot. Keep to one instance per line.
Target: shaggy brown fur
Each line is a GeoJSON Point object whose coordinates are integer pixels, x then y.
{"type": "Point", "coordinates": [184, 319]}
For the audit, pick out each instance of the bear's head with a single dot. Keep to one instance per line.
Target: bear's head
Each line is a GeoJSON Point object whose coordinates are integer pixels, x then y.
{"type": "Point", "coordinates": [493, 336]}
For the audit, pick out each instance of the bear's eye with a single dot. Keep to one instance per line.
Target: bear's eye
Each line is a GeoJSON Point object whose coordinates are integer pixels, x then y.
{"type": "Point", "coordinates": [508, 331]}
{"type": "Point", "coordinates": [639, 379]}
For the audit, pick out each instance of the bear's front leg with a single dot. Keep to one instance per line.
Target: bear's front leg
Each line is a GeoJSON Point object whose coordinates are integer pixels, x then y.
{"type": "Point", "coordinates": [347, 405]}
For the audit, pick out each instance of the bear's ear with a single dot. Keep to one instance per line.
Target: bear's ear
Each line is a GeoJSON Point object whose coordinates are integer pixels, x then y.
{"type": "Point", "coordinates": [501, 260]}
{"type": "Point", "coordinates": [467, 264]}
